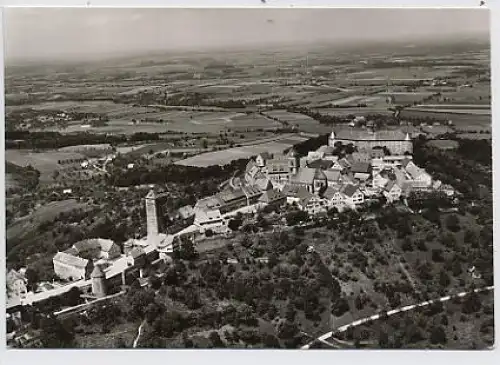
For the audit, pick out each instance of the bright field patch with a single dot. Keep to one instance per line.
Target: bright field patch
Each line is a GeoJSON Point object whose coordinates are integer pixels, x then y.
{"type": "Point", "coordinates": [226, 156]}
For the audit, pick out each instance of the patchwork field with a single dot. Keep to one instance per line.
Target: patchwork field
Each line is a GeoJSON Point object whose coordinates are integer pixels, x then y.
{"type": "Point", "coordinates": [226, 156]}
{"type": "Point", "coordinates": [460, 121]}
{"type": "Point", "coordinates": [45, 162]}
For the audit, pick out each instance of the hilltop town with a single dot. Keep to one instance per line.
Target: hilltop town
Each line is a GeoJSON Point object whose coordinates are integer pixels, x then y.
{"type": "Point", "coordinates": [335, 198]}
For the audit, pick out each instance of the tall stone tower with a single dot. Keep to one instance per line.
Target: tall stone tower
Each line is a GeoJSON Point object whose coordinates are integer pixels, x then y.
{"type": "Point", "coordinates": [152, 214]}
{"type": "Point", "coordinates": [98, 282]}
{"type": "Point", "coordinates": [293, 161]}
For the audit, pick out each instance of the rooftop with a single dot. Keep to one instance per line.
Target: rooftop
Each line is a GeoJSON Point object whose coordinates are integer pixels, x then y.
{"type": "Point", "coordinates": [364, 135]}
{"type": "Point", "coordinates": [67, 259]}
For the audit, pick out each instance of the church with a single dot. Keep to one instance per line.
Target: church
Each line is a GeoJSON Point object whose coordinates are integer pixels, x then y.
{"type": "Point", "coordinates": [397, 142]}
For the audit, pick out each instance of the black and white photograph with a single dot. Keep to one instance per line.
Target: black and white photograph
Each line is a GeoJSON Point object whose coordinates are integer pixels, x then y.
{"type": "Point", "coordinates": [261, 178]}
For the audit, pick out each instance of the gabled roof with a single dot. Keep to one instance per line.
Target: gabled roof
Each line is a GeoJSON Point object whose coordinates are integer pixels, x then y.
{"type": "Point", "coordinates": [251, 190]}
{"type": "Point", "coordinates": [332, 175]}
{"type": "Point", "coordinates": [91, 244]}
{"type": "Point", "coordinates": [294, 191]}
{"type": "Point", "coordinates": [320, 164]}
{"type": "Point", "coordinates": [250, 165]}
{"type": "Point", "coordinates": [363, 167]}
{"type": "Point", "coordinates": [414, 170]}
{"type": "Point", "coordinates": [327, 150]}
{"type": "Point", "coordinates": [361, 176]}
{"type": "Point", "coordinates": [71, 260]}
{"type": "Point", "coordinates": [331, 191]}
{"type": "Point", "coordinates": [14, 275]}
{"type": "Point", "coordinates": [405, 162]}
{"type": "Point", "coordinates": [305, 175]}
{"type": "Point", "coordinates": [277, 166]}
{"type": "Point", "coordinates": [344, 163]}
{"type": "Point", "coordinates": [186, 211]}
{"type": "Point", "coordinates": [364, 135]}
{"type": "Point", "coordinates": [72, 251]}
{"type": "Point", "coordinates": [230, 195]}
{"type": "Point", "coordinates": [209, 203]}
{"type": "Point", "coordinates": [331, 158]}
{"type": "Point", "coordinates": [264, 184]}
{"type": "Point", "coordinates": [304, 196]}
{"type": "Point", "coordinates": [271, 196]}
{"type": "Point", "coordinates": [266, 156]}
{"type": "Point", "coordinates": [359, 156]}
{"type": "Point", "coordinates": [253, 171]}
{"type": "Point", "coordinates": [106, 245]}
{"type": "Point", "coordinates": [349, 190]}
{"type": "Point", "coordinates": [388, 187]}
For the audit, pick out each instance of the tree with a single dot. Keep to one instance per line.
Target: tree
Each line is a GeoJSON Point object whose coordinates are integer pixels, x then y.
{"type": "Point", "coordinates": [471, 304]}
{"type": "Point", "coordinates": [270, 341]}
{"type": "Point", "coordinates": [453, 223]}
{"type": "Point", "coordinates": [234, 224]}
{"type": "Point", "coordinates": [216, 340]}
{"type": "Point", "coordinates": [444, 279]}
{"type": "Point", "coordinates": [438, 335]}
{"type": "Point", "coordinates": [383, 340]}
{"type": "Point", "coordinates": [54, 334]}
{"type": "Point", "coordinates": [33, 278]}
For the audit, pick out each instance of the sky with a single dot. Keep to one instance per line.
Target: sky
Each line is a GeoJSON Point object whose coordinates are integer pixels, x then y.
{"type": "Point", "coordinates": [65, 33]}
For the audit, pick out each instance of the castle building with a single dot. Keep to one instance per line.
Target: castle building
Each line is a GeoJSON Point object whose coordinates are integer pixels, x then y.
{"type": "Point", "coordinates": [396, 142]}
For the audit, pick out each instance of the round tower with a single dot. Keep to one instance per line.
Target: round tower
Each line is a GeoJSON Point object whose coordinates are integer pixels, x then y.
{"type": "Point", "coordinates": [98, 282]}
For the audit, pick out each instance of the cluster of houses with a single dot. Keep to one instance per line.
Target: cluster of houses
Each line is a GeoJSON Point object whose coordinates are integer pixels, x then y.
{"type": "Point", "coordinates": [379, 164]}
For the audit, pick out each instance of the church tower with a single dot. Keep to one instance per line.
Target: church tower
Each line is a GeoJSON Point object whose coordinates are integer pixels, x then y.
{"type": "Point", "coordinates": [331, 139]}
{"type": "Point", "coordinates": [408, 144]}
{"type": "Point", "coordinates": [293, 161]}
{"type": "Point", "coordinates": [98, 282]}
{"type": "Point", "coordinates": [152, 215]}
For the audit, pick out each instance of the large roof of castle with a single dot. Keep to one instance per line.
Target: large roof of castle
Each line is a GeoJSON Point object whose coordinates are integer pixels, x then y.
{"type": "Point", "coordinates": [365, 135]}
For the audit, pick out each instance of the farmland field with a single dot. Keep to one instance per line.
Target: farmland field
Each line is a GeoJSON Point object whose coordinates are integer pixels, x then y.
{"type": "Point", "coordinates": [472, 111]}
{"type": "Point", "coordinates": [226, 156]}
{"type": "Point", "coordinates": [477, 122]}
{"type": "Point", "coordinates": [45, 162]}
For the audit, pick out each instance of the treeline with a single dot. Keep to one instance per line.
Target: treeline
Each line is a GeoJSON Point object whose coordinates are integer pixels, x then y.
{"type": "Point", "coordinates": [51, 140]}
{"type": "Point", "coordinates": [174, 174]}
{"type": "Point", "coordinates": [477, 150]}
{"type": "Point", "coordinates": [459, 170]}
{"type": "Point", "coordinates": [311, 144]}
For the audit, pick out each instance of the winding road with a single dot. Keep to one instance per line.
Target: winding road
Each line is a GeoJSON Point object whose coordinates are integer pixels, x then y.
{"type": "Point", "coordinates": [406, 308]}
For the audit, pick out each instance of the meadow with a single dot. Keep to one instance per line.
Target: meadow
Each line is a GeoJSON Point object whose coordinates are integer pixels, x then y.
{"type": "Point", "coordinates": [226, 156]}
{"type": "Point", "coordinates": [45, 162]}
